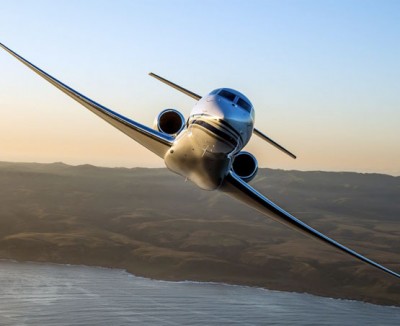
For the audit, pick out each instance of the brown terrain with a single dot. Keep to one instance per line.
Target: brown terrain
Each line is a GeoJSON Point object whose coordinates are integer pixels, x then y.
{"type": "Point", "coordinates": [154, 224]}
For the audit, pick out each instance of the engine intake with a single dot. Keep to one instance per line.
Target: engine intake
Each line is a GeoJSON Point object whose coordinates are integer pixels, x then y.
{"type": "Point", "coordinates": [245, 166]}
{"type": "Point", "coordinates": [169, 121]}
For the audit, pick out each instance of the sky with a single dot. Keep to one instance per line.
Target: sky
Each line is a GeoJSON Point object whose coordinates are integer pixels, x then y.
{"type": "Point", "coordinates": [323, 76]}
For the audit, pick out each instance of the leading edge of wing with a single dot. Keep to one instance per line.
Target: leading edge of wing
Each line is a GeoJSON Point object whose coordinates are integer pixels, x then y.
{"type": "Point", "coordinates": [240, 190]}
{"type": "Point", "coordinates": [153, 140]}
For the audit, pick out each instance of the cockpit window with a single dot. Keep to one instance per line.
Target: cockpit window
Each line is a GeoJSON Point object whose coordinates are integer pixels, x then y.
{"type": "Point", "coordinates": [227, 95]}
{"type": "Point", "coordinates": [244, 104]}
{"type": "Point", "coordinates": [215, 91]}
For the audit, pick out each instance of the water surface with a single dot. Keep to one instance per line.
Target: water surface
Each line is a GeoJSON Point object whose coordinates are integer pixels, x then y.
{"type": "Point", "coordinates": [49, 294]}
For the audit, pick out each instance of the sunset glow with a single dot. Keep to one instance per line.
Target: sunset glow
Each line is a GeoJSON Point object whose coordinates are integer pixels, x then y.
{"type": "Point", "coordinates": [323, 77]}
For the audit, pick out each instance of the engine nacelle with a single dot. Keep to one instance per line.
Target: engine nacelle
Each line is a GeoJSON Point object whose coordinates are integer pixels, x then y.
{"type": "Point", "coordinates": [245, 166]}
{"type": "Point", "coordinates": [169, 121]}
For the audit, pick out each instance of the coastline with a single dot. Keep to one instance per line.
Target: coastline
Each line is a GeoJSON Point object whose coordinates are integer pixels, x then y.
{"type": "Point", "coordinates": [191, 281]}
{"type": "Point", "coordinates": [206, 280]}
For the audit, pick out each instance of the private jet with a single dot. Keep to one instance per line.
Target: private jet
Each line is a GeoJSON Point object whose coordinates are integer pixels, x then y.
{"type": "Point", "coordinates": [207, 148]}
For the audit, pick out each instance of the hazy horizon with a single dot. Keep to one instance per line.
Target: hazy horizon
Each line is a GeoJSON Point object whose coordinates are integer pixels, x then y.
{"type": "Point", "coordinates": [323, 77]}
{"type": "Point", "coordinates": [164, 167]}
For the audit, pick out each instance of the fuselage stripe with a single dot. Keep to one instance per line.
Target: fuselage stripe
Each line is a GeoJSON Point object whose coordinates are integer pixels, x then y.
{"type": "Point", "coordinates": [231, 140]}
{"type": "Point", "coordinates": [219, 122]}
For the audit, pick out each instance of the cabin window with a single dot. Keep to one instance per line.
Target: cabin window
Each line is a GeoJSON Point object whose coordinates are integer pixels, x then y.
{"type": "Point", "coordinates": [244, 104]}
{"type": "Point", "coordinates": [227, 95]}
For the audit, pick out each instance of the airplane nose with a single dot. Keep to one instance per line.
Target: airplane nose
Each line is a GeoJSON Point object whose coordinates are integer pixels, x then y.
{"type": "Point", "coordinates": [228, 111]}
{"type": "Point", "coordinates": [231, 117]}
{"type": "Point", "coordinates": [218, 111]}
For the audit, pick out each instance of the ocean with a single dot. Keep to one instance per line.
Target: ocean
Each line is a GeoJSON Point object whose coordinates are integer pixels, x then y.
{"type": "Point", "coordinates": [51, 294]}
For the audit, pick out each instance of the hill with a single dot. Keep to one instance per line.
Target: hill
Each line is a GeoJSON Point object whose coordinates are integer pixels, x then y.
{"type": "Point", "coordinates": [153, 223]}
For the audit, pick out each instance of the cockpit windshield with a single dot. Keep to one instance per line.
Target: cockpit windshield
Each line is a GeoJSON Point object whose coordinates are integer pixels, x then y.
{"type": "Point", "coordinates": [227, 95]}
{"type": "Point", "coordinates": [244, 104]}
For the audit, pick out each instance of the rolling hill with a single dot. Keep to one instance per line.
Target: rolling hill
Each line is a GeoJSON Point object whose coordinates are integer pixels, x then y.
{"type": "Point", "coordinates": [153, 223]}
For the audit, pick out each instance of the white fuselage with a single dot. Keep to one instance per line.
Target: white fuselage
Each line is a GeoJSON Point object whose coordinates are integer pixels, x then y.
{"type": "Point", "coordinates": [217, 129]}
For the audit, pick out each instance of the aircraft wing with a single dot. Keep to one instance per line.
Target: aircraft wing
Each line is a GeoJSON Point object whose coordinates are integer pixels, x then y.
{"type": "Point", "coordinates": [153, 140]}
{"type": "Point", "coordinates": [240, 190]}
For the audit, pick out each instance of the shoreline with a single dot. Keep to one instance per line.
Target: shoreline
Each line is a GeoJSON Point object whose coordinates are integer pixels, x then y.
{"type": "Point", "coordinates": [16, 261]}
{"type": "Point", "coordinates": [187, 281]}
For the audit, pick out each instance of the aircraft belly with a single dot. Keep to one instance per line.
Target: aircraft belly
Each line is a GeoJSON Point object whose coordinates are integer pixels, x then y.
{"type": "Point", "coordinates": [200, 157]}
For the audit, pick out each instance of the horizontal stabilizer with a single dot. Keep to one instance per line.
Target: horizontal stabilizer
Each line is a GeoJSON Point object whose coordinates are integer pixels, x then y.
{"type": "Point", "coordinates": [179, 88]}
{"type": "Point", "coordinates": [273, 143]}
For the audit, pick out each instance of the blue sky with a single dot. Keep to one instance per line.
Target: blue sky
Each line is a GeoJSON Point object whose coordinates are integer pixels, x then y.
{"type": "Point", "coordinates": [324, 76]}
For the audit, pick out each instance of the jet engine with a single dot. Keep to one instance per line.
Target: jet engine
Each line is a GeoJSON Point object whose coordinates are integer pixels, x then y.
{"type": "Point", "coordinates": [169, 121]}
{"type": "Point", "coordinates": [245, 166]}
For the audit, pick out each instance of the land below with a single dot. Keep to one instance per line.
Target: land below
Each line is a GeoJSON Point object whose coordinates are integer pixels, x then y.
{"type": "Point", "coordinates": [154, 224]}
